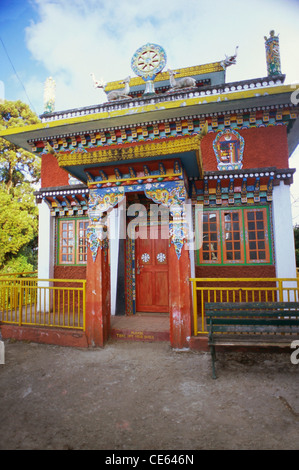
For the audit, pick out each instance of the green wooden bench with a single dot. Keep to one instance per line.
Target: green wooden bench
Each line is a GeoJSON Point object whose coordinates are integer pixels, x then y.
{"type": "Point", "coordinates": [260, 324]}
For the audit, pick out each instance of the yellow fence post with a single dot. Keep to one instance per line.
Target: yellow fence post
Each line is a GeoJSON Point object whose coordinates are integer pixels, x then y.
{"type": "Point", "coordinates": [84, 303]}
{"type": "Point", "coordinates": [194, 306]}
{"type": "Point", "coordinates": [280, 291]}
{"type": "Point", "coordinates": [21, 303]}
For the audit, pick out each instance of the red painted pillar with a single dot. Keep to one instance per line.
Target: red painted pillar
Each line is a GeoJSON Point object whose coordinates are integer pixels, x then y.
{"type": "Point", "coordinates": [97, 321]}
{"type": "Point", "coordinates": [180, 298]}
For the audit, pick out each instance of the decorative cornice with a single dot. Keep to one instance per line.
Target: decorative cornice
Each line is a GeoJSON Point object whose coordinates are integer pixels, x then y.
{"type": "Point", "coordinates": [62, 190]}
{"type": "Point", "coordinates": [132, 151]}
{"type": "Point", "coordinates": [280, 173]}
{"type": "Point", "coordinates": [208, 94]}
{"type": "Point", "coordinates": [153, 130]}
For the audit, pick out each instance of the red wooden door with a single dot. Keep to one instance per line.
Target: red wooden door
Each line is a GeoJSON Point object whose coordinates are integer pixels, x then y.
{"type": "Point", "coordinates": [151, 270]}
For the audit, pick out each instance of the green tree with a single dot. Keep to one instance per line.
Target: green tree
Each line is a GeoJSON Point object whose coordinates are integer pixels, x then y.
{"type": "Point", "coordinates": [19, 171]}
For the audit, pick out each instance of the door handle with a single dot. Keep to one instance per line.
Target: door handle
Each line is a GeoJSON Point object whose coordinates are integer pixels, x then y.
{"type": "Point", "coordinates": [139, 267]}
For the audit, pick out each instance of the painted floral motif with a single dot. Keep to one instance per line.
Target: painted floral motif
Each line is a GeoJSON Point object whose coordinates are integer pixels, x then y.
{"type": "Point", "coordinates": [100, 201]}
{"type": "Point", "coordinates": [171, 194]}
{"type": "Point", "coordinates": [161, 257]}
{"type": "Point", "coordinates": [178, 234]}
{"type": "Point", "coordinates": [145, 257]}
{"type": "Point", "coordinates": [96, 238]}
{"type": "Point", "coordinates": [103, 199]}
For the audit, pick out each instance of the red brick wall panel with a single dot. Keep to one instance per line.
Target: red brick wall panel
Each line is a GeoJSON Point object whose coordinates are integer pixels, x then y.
{"type": "Point", "coordinates": [70, 272]}
{"type": "Point", "coordinates": [51, 174]}
{"type": "Point", "coordinates": [263, 147]}
{"type": "Point", "coordinates": [235, 271]}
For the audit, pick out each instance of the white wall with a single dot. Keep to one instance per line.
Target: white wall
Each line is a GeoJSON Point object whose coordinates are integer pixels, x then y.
{"type": "Point", "coordinates": [46, 240]}
{"type": "Point", "coordinates": [117, 225]}
{"type": "Point", "coordinates": [46, 237]}
{"type": "Point", "coordinates": [285, 260]}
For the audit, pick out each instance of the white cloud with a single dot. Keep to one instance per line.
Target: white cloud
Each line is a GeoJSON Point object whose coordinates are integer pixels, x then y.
{"type": "Point", "coordinates": [76, 37]}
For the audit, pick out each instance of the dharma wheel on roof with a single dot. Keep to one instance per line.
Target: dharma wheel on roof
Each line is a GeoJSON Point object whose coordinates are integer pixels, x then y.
{"type": "Point", "coordinates": [147, 62]}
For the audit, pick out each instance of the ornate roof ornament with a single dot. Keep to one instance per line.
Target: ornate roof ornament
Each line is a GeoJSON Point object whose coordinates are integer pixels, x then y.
{"type": "Point", "coordinates": [49, 95]}
{"type": "Point", "coordinates": [114, 95]}
{"type": "Point", "coordinates": [147, 62]}
{"type": "Point", "coordinates": [272, 54]}
{"type": "Point", "coordinates": [182, 83]}
{"type": "Point", "coordinates": [230, 60]}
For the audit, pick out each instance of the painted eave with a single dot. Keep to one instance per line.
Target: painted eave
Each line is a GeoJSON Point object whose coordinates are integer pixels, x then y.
{"type": "Point", "coordinates": [181, 107]}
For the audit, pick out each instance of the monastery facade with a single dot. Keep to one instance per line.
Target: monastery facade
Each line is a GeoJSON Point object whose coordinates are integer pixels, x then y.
{"type": "Point", "coordinates": [178, 175]}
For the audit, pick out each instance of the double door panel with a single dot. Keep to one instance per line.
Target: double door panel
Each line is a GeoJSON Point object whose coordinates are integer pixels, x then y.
{"type": "Point", "coordinates": [151, 265]}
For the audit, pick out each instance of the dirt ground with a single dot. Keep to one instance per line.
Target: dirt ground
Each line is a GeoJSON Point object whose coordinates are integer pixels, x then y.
{"type": "Point", "coordinates": [139, 396]}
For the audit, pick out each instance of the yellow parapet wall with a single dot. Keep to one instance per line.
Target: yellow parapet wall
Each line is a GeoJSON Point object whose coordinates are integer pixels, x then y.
{"type": "Point", "coordinates": [184, 72]}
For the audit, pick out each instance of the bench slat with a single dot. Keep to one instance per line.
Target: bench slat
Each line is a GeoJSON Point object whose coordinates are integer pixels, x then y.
{"type": "Point", "coordinates": [254, 321]}
{"type": "Point", "coordinates": [251, 343]}
{"type": "Point", "coordinates": [254, 328]}
{"type": "Point", "coordinates": [252, 305]}
{"type": "Point", "coordinates": [253, 313]}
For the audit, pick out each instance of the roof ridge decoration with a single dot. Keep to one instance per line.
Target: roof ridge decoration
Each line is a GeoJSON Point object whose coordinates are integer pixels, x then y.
{"type": "Point", "coordinates": [49, 95]}
{"type": "Point", "coordinates": [147, 62]}
{"type": "Point", "coordinates": [114, 95]}
{"type": "Point", "coordinates": [185, 82]}
{"type": "Point", "coordinates": [272, 54]}
{"type": "Point", "coordinates": [150, 55]}
{"type": "Point", "coordinates": [181, 72]}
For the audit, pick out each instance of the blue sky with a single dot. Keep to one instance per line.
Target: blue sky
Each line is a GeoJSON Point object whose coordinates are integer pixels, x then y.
{"type": "Point", "coordinates": [69, 39]}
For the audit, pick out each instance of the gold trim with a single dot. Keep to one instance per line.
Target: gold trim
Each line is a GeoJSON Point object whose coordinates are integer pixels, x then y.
{"type": "Point", "coordinates": [113, 179]}
{"type": "Point", "coordinates": [184, 72]}
{"type": "Point", "coordinates": [151, 149]}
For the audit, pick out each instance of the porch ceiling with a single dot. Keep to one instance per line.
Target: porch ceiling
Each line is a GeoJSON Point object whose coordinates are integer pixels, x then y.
{"type": "Point", "coordinates": [188, 160]}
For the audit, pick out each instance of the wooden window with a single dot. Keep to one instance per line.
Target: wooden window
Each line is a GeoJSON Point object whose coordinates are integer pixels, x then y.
{"type": "Point", "coordinates": [210, 250]}
{"type": "Point", "coordinates": [72, 241]}
{"type": "Point", "coordinates": [81, 241]}
{"type": "Point", "coordinates": [257, 241]}
{"type": "Point", "coordinates": [232, 237]}
{"type": "Point", "coordinates": [67, 242]}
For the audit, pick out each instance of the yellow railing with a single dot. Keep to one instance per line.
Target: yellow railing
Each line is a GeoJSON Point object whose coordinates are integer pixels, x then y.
{"type": "Point", "coordinates": [43, 302]}
{"type": "Point", "coordinates": [238, 290]}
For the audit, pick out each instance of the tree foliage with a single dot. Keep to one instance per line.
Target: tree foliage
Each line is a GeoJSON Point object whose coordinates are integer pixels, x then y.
{"type": "Point", "coordinates": [17, 165]}
{"type": "Point", "coordinates": [19, 171]}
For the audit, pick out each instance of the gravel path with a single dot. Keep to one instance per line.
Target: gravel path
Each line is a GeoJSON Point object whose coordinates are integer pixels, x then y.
{"type": "Point", "coordinates": [138, 396]}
